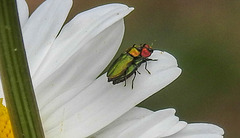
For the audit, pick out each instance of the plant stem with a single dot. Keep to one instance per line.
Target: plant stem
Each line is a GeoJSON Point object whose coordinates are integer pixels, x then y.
{"type": "Point", "coordinates": [15, 76]}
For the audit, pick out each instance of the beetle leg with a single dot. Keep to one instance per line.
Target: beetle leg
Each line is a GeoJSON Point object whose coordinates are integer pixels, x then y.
{"type": "Point", "coordinates": [125, 82]}
{"type": "Point", "coordinates": [147, 69]}
{"type": "Point", "coordinates": [125, 78]}
{"type": "Point", "coordinates": [138, 72]}
{"type": "Point", "coordinates": [149, 59]}
{"type": "Point", "coordinates": [133, 79]}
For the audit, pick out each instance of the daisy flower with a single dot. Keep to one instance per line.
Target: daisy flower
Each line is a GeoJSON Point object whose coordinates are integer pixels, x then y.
{"type": "Point", "coordinates": [73, 101]}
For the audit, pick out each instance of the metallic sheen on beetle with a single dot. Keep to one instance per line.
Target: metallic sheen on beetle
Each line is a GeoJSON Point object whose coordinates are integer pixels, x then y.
{"type": "Point", "coordinates": [128, 62]}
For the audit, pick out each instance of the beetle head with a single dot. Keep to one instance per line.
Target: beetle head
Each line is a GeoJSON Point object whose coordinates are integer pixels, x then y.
{"type": "Point", "coordinates": [146, 51]}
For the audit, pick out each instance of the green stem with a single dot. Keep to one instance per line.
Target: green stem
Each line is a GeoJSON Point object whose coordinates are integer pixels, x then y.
{"type": "Point", "coordinates": [15, 76]}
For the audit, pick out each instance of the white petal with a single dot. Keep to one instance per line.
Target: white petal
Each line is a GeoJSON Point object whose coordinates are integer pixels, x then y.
{"type": "Point", "coordinates": [80, 53]}
{"type": "Point", "coordinates": [1, 92]}
{"type": "Point", "coordinates": [41, 29]}
{"type": "Point", "coordinates": [134, 113]}
{"type": "Point", "coordinates": [101, 103]}
{"type": "Point", "coordinates": [179, 126]}
{"type": "Point", "coordinates": [154, 125]}
{"type": "Point", "coordinates": [199, 130]}
{"type": "Point", "coordinates": [124, 122]}
{"type": "Point", "coordinates": [23, 12]}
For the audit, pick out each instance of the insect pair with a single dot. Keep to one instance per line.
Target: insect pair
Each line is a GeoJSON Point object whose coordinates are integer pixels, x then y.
{"type": "Point", "coordinates": [128, 62]}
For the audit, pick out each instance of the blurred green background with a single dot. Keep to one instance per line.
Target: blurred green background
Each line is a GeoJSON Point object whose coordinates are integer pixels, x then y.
{"type": "Point", "coordinates": [204, 36]}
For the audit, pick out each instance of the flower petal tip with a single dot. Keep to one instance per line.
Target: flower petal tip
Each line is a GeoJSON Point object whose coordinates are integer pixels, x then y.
{"type": "Point", "coordinates": [171, 110]}
{"type": "Point", "coordinates": [131, 8]}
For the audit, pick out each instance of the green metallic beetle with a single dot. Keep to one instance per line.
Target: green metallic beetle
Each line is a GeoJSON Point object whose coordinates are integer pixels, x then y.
{"type": "Point", "coordinates": [127, 64]}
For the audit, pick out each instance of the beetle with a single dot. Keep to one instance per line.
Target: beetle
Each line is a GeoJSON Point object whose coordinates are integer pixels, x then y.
{"type": "Point", "coordinates": [128, 62]}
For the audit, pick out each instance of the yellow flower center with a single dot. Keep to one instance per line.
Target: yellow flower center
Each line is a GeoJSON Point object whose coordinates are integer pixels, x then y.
{"type": "Point", "coordinates": [5, 124]}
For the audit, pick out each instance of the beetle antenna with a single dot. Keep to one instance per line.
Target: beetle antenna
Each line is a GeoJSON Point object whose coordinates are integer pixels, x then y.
{"type": "Point", "coordinates": [151, 44]}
